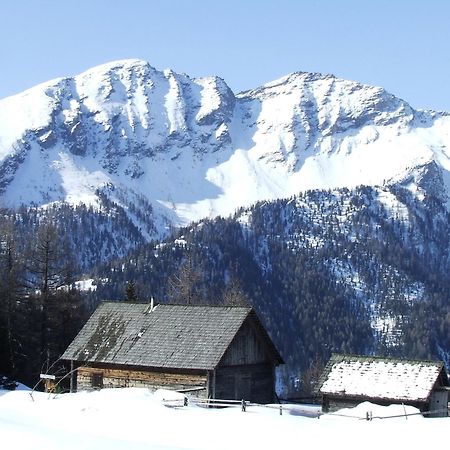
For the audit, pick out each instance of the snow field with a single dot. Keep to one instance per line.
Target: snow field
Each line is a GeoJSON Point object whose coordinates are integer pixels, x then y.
{"type": "Point", "coordinates": [136, 419]}
{"type": "Point", "coordinates": [156, 134]}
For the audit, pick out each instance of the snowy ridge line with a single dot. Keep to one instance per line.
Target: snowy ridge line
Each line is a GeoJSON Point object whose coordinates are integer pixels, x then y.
{"type": "Point", "coordinates": [132, 127]}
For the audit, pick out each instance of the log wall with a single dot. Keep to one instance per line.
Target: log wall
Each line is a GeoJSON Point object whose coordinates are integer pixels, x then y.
{"type": "Point", "coordinates": [90, 378]}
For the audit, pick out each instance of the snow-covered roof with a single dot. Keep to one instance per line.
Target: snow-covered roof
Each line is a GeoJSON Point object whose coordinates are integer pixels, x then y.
{"type": "Point", "coordinates": [381, 378]}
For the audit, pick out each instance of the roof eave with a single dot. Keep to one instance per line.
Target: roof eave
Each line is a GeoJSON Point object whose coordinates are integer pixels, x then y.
{"type": "Point", "coordinates": [141, 366]}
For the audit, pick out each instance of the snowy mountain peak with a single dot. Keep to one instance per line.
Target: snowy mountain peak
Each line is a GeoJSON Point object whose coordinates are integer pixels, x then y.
{"type": "Point", "coordinates": [192, 148]}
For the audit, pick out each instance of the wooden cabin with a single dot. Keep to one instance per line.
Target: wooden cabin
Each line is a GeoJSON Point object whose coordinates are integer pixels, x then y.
{"type": "Point", "coordinates": [348, 380]}
{"type": "Point", "coordinates": [210, 351]}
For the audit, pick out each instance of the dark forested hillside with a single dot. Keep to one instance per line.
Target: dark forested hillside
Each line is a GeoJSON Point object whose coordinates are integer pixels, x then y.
{"type": "Point", "coordinates": [362, 271]}
{"type": "Point", "coordinates": [40, 310]}
{"type": "Point", "coordinates": [95, 235]}
{"type": "Point", "coordinates": [350, 271]}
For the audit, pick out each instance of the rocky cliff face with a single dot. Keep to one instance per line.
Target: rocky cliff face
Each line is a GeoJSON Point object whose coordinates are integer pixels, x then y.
{"type": "Point", "coordinates": [192, 148]}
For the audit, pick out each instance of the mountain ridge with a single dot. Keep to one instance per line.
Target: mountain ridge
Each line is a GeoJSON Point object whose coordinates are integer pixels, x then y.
{"type": "Point", "coordinates": [130, 126]}
{"type": "Point", "coordinates": [323, 201]}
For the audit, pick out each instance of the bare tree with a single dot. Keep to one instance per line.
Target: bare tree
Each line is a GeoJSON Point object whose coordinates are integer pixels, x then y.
{"type": "Point", "coordinates": [50, 269]}
{"type": "Point", "coordinates": [234, 295]}
{"type": "Point", "coordinates": [50, 263]}
{"type": "Point", "coordinates": [183, 286]}
{"type": "Point", "coordinates": [310, 377]}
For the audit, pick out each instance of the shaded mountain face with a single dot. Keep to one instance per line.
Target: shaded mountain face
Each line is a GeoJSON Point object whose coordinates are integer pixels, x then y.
{"type": "Point", "coordinates": [353, 271]}
{"type": "Point", "coordinates": [184, 149]}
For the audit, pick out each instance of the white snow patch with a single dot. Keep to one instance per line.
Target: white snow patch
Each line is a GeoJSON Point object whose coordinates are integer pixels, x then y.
{"type": "Point", "coordinates": [387, 325]}
{"type": "Point", "coordinates": [175, 104]}
{"type": "Point", "coordinates": [395, 208]}
{"type": "Point", "coordinates": [78, 182]}
{"type": "Point", "coordinates": [86, 285]}
{"type": "Point", "coordinates": [210, 97]}
{"type": "Point", "coordinates": [136, 420]}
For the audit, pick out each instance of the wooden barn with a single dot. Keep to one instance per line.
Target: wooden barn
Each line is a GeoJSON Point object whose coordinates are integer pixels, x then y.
{"type": "Point", "coordinates": [348, 380]}
{"type": "Point", "coordinates": [209, 351]}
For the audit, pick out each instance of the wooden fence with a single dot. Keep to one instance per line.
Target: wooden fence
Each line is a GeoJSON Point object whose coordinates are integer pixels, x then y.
{"type": "Point", "coordinates": [222, 403]}
{"type": "Point", "coordinates": [292, 409]}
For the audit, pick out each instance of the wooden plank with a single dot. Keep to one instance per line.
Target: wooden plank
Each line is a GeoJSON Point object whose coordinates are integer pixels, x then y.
{"type": "Point", "coordinates": [247, 347]}
{"type": "Point", "coordinates": [144, 376]}
{"type": "Point", "coordinates": [120, 378]}
{"type": "Point", "coordinates": [252, 382]}
{"type": "Point", "coordinates": [45, 376]}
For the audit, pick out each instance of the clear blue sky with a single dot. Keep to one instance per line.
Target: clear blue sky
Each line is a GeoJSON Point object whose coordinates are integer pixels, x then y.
{"type": "Point", "coordinates": [401, 45]}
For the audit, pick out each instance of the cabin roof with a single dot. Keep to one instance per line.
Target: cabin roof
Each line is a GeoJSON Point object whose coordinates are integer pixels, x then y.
{"type": "Point", "coordinates": [169, 336]}
{"type": "Point", "coordinates": [381, 378]}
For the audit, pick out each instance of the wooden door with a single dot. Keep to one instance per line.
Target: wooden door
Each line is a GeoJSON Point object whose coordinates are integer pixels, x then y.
{"type": "Point", "coordinates": [243, 387]}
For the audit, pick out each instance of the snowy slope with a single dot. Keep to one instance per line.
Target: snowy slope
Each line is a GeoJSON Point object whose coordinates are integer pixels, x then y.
{"type": "Point", "coordinates": [136, 419]}
{"type": "Point", "coordinates": [194, 149]}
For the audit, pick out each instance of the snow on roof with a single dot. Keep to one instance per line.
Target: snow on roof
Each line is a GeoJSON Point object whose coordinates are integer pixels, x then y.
{"type": "Point", "coordinates": [382, 378]}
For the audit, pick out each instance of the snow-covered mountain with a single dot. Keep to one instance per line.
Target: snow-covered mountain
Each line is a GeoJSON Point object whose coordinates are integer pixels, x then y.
{"type": "Point", "coordinates": [191, 148]}
{"type": "Point", "coordinates": [120, 154]}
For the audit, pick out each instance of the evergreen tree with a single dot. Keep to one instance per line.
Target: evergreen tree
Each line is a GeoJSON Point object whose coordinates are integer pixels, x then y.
{"type": "Point", "coordinates": [130, 292]}
{"type": "Point", "coordinates": [11, 289]}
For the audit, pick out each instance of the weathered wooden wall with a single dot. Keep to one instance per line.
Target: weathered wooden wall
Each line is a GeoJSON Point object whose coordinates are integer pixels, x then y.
{"type": "Point", "coordinates": [247, 347]}
{"type": "Point", "coordinates": [332, 404]}
{"type": "Point", "coordinates": [246, 370]}
{"type": "Point", "coordinates": [249, 382]}
{"type": "Point", "coordinates": [439, 404]}
{"type": "Point", "coordinates": [127, 377]}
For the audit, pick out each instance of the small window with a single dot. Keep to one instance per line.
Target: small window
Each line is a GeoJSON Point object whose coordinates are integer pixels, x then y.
{"type": "Point", "coordinates": [97, 380]}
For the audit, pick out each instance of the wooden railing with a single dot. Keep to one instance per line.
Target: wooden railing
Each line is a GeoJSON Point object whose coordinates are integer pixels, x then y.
{"type": "Point", "coordinates": [221, 403]}
{"type": "Point", "coordinates": [244, 404]}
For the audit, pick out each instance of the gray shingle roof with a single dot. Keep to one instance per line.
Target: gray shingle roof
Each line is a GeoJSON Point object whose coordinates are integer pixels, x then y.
{"type": "Point", "coordinates": [381, 378]}
{"type": "Point", "coordinates": [170, 336]}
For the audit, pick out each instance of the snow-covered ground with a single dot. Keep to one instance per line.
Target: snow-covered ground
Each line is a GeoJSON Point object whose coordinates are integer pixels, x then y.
{"type": "Point", "coordinates": [137, 419]}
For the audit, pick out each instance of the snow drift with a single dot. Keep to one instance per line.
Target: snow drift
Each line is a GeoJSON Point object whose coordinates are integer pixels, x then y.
{"type": "Point", "coordinates": [136, 419]}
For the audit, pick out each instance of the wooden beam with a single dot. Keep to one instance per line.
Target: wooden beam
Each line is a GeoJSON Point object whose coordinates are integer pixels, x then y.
{"type": "Point", "coordinates": [157, 378]}
{"type": "Point", "coordinates": [72, 375]}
